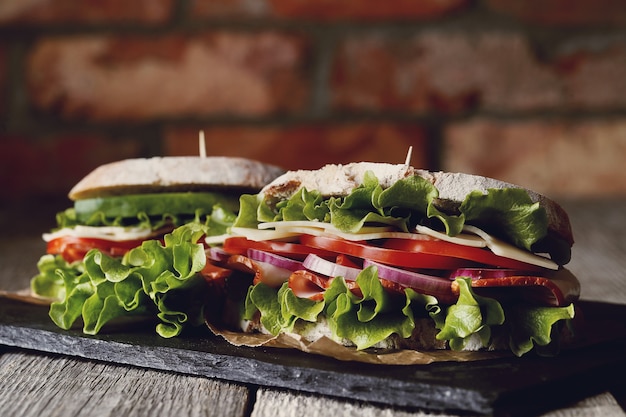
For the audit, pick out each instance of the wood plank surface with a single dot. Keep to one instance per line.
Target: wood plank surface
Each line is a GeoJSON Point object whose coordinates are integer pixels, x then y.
{"type": "Point", "coordinates": [37, 384]}
{"type": "Point", "coordinates": [285, 404]}
{"type": "Point", "coordinates": [34, 384]}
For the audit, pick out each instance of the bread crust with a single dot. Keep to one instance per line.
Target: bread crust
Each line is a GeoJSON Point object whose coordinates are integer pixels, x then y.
{"type": "Point", "coordinates": [339, 180]}
{"type": "Point", "coordinates": [173, 174]}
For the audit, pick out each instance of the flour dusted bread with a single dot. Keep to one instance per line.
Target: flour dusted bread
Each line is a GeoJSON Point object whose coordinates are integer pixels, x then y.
{"type": "Point", "coordinates": [339, 180]}
{"type": "Point", "coordinates": [186, 173]}
{"type": "Point", "coordinates": [336, 180]}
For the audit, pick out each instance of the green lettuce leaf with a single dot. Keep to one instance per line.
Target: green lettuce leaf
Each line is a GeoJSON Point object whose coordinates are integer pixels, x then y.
{"type": "Point", "coordinates": [153, 211]}
{"type": "Point", "coordinates": [218, 222]}
{"type": "Point", "coordinates": [279, 308]}
{"type": "Point", "coordinates": [471, 315]}
{"type": "Point", "coordinates": [154, 279]}
{"type": "Point", "coordinates": [151, 205]}
{"type": "Point", "coordinates": [248, 211]}
{"type": "Point", "coordinates": [48, 282]}
{"type": "Point", "coordinates": [370, 319]}
{"type": "Point", "coordinates": [532, 326]}
{"type": "Point", "coordinates": [68, 218]}
{"type": "Point", "coordinates": [507, 213]}
{"type": "Point", "coordinates": [77, 290]}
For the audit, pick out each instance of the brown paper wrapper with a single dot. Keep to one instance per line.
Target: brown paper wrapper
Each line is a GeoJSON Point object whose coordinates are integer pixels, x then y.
{"type": "Point", "coordinates": [328, 347]}
{"type": "Point", "coordinates": [26, 296]}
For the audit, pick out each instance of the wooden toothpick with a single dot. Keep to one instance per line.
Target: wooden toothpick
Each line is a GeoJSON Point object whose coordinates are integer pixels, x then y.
{"type": "Point", "coordinates": [202, 145]}
{"type": "Point", "coordinates": [407, 161]}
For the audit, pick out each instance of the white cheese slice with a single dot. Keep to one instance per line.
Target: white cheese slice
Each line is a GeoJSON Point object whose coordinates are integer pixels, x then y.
{"type": "Point", "coordinates": [506, 250]}
{"type": "Point", "coordinates": [113, 233]}
{"type": "Point", "coordinates": [295, 223]}
{"type": "Point", "coordinates": [461, 239]}
{"type": "Point", "coordinates": [286, 225]}
{"type": "Point", "coordinates": [317, 228]}
{"type": "Point", "coordinates": [217, 239]}
{"type": "Point", "coordinates": [351, 236]}
{"type": "Point", "coordinates": [258, 235]}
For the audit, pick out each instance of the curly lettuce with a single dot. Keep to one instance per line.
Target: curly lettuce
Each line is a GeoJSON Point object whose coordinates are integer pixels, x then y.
{"type": "Point", "coordinates": [370, 318]}
{"type": "Point", "coordinates": [508, 213]}
{"type": "Point", "coordinates": [157, 280]}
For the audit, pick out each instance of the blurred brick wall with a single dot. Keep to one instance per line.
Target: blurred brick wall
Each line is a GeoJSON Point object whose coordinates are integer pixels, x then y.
{"type": "Point", "coordinates": [530, 91]}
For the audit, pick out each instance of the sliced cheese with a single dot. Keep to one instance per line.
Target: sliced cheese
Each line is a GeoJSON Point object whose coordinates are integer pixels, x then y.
{"type": "Point", "coordinates": [286, 225]}
{"type": "Point", "coordinates": [506, 250]}
{"type": "Point", "coordinates": [113, 233]}
{"type": "Point", "coordinates": [216, 240]}
{"type": "Point", "coordinates": [295, 223]}
{"type": "Point", "coordinates": [461, 239]}
{"type": "Point", "coordinates": [258, 234]}
{"type": "Point", "coordinates": [351, 236]}
{"type": "Point", "coordinates": [316, 228]}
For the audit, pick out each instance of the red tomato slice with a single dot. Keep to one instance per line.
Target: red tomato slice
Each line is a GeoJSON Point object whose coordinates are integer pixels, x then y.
{"type": "Point", "coordinates": [346, 260]}
{"type": "Point", "coordinates": [238, 245]}
{"type": "Point", "coordinates": [448, 249]}
{"type": "Point", "coordinates": [390, 256]}
{"type": "Point", "coordinates": [75, 248]}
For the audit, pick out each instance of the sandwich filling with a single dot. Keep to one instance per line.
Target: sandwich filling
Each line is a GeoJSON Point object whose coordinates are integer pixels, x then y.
{"type": "Point", "coordinates": [115, 224]}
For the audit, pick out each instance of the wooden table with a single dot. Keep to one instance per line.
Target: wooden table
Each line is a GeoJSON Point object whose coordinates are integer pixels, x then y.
{"type": "Point", "coordinates": [33, 383]}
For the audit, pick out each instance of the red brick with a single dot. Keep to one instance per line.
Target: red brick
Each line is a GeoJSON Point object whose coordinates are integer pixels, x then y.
{"type": "Point", "coordinates": [594, 79]}
{"type": "Point", "coordinates": [563, 12]}
{"type": "Point", "coordinates": [494, 71]}
{"type": "Point", "coordinates": [307, 146]}
{"type": "Point", "coordinates": [31, 167]}
{"type": "Point", "coordinates": [107, 78]}
{"type": "Point", "coordinates": [85, 12]}
{"type": "Point", "coordinates": [328, 10]}
{"type": "Point", "coordinates": [556, 157]}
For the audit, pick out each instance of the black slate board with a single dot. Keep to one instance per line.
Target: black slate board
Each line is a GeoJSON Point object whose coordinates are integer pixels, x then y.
{"type": "Point", "coordinates": [506, 386]}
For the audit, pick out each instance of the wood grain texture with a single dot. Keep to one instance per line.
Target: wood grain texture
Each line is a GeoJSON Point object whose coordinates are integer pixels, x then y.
{"type": "Point", "coordinates": [37, 385]}
{"type": "Point", "coordinates": [286, 404]}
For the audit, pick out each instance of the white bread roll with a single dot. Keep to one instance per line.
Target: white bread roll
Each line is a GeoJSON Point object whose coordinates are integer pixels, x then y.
{"type": "Point", "coordinates": [185, 173]}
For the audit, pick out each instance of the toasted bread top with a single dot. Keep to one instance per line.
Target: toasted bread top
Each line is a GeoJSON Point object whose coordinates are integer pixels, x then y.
{"type": "Point", "coordinates": [185, 173]}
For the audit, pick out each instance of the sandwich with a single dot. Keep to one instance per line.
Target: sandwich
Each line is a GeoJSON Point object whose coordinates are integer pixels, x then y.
{"type": "Point", "coordinates": [119, 205]}
{"type": "Point", "coordinates": [122, 205]}
{"type": "Point", "coordinates": [383, 257]}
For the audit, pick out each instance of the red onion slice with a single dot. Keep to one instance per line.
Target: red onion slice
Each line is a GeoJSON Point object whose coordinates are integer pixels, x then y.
{"type": "Point", "coordinates": [274, 259]}
{"type": "Point", "coordinates": [427, 284]}
{"type": "Point", "coordinates": [330, 269]}
{"type": "Point", "coordinates": [217, 254]}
